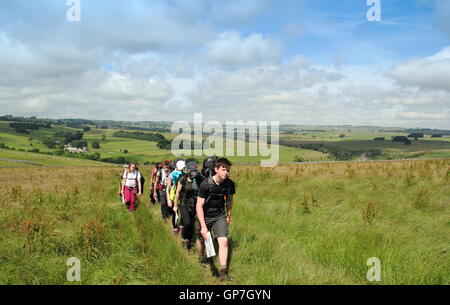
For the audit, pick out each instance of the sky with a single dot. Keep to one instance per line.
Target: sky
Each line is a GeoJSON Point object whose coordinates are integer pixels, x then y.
{"type": "Point", "coordinates": [303, 62]}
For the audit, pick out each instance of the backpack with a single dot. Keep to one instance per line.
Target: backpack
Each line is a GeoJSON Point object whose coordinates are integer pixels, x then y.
{"type": "Point", "coordinates": [208, 166]}
{"type": "Point", "coordinates": [155, 173]}
{"type": "Point", "coordinates": [211, 184]}
{"type": "Point", "coordinates": [142, 179]}
{"type": "Point", "coordinates": [173, 187]}
{"type": "Point", "coordinates": [190, 197]}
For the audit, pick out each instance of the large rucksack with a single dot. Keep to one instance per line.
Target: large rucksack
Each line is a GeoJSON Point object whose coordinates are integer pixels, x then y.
{"type": "Point", "coordinates": [208, 166]}
{"type": "Point", "coordinates": [142, 180]}
{"type": "Point", "coordinates": [155, 173]}
{"type": "Point", "coordinates": [190, 197]}
{"type": "Point", "coordinates": [211, 193]}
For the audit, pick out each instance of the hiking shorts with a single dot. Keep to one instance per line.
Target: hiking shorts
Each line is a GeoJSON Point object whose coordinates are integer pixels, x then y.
{"type": "Point", "coordinates": [218, 225]}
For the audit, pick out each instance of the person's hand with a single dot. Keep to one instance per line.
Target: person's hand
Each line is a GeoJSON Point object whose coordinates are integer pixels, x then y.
{"type": "Point", "coordinates": [155, 197]}
{"type": "Point", "coordinates": [139, 194]}
{"type": "Point", "coordinates": [175, 208]}
{"type": "Point", "coordinates": [204, 232]}
{"type": "Point", "coordinates": [169, 203]}
{"type": "Point", "coordinates": [119, 192]}
{"type": "Point", "coordinates": [228, 219]}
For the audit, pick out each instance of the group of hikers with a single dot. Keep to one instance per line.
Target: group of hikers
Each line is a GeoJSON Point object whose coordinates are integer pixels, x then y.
{"type": "Point", "coordinates": [195, 201]}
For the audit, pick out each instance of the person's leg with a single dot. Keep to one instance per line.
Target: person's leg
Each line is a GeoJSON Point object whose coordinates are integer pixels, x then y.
{"type": "Point", "coordinates": [127, 197]}
{"type": "Point", "coordinates": [220, 227]}
{"type": "Point", "coordinates": [174, 224]}
{"type": "Point", "coordinates": [133, 200]}
{"type": "Point", "coordinates": [223, 251]}
{"type": "Point", "coordinates": [191, 225]}
{"type": "Point", "coordinates": [185, 220]}
{"type": "Point", "coordinates": [152, 199]}
{"type": "Point", "coordinates": [162, 195]}
{"type": "Point", "coordinates": [200, 244]}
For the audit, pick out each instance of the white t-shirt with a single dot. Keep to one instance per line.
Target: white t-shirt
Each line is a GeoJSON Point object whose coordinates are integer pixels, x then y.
{"type": "Point", "coordinates": [164, 177]}
{"type": "Point", "coordinates": [131, 178]}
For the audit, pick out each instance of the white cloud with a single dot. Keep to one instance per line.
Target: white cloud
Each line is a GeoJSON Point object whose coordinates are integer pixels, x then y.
{"type": "Point", "coordinates": [431, 72]}
{"type": "Point", "coordinates": [229, 48]}
{"type": "Point", "coordinates": [173, 59]}
{"type": "Point", "coordinates": [121, 87]}
{"type": "Point", "coordinates": [423, 116]}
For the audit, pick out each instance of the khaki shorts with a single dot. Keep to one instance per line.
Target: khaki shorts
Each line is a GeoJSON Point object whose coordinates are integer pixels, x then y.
{"type": "Point", "coordinates": [217, 225]}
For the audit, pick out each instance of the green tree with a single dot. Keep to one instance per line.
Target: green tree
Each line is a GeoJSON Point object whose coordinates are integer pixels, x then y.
{"type": "Point", "coordinates": [95, 145]}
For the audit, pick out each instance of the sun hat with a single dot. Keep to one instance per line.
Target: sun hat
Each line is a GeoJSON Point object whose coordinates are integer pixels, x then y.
{"type": "Point", "coordinates": [180, 165]}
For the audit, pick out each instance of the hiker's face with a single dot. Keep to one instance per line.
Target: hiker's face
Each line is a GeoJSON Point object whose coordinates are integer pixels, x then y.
{"type": "Point", "coordinates": [132, 168]}
{"type": "Point", "coordinates": [223, 172]}
{"type": "Point", "coordinates": [166, 169]}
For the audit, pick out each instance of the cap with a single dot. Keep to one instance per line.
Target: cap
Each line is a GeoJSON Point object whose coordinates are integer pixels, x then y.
{"type": "Point", "coordinates": [180, 165]}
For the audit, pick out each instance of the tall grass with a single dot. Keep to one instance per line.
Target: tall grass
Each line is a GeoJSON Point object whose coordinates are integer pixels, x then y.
{"type": "Point", "coordinates": [320, 223]}
{"type": "Point", "coordinates": [49, 215]}
{"type": "Point", "coordinates": [293, 224]}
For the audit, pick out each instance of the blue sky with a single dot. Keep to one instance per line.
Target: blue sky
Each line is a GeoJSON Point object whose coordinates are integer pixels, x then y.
{"type": "Point", "coordinates": [305, 62]}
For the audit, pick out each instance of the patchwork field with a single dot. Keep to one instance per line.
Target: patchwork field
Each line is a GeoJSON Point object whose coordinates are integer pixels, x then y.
{"type": "Point", "coordinates": [137, 150]}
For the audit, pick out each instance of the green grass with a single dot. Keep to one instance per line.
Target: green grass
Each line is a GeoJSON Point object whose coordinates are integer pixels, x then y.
{"type": "Point", "coordinates": [280, 239]}
{"type": "Point", "coordinates": [76, 213]}
{"type": "Point", "coordinates": [292, 224]}
{"type": "Point", "coordinates": [423, 148]}
{"type": "Point", "coordinates": [18, 158]}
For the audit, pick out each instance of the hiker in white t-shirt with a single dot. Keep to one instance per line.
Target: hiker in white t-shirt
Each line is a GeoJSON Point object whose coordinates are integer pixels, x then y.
{"type": "Point", "coordinates": [131, 184]}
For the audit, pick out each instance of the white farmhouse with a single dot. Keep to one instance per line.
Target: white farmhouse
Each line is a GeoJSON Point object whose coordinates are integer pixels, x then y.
{"type": "Point", "coordinates": [74, 150]}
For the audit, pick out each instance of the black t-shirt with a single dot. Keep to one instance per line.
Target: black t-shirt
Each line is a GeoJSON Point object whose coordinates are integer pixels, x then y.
{"type": "Point", "coordinates": [214, 194]}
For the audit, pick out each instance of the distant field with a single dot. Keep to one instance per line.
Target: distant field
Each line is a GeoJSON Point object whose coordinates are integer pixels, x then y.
{"type": "Point", "coordinates": [16, 158]}
{"type": "Point", "coordinates": [141, 151]}
{"type": "Point", "coordinates": [428, 148]}
{"type": "Point", "coordinates": [292, 224]}
{"type": "Point", "coordinates": [356, 138]}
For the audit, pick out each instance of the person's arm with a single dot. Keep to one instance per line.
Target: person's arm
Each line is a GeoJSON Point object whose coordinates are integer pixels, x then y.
{"type": "Point", "coordinates": [169, 183]}
{"type": "Point", "coordinates": [155, 185]}
{"type": "Point", "coordinates": [123, 185]}
{"type": "Point", "coordinates": [229, 208]}
{"type": "Point", "coordinates": [120, 187]}
{"type": "Point", "coordinates": [151, 181]}
{"type": "Point", "coordinates": [138, 175]}
{"type": "Point", "coordinates": [201, 217]}
{"type": "Point", "coordinates": [177, 195]}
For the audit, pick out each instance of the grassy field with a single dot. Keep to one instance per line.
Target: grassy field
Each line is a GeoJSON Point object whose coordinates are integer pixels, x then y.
{"type": "Point", "coordinates": [292, 224]}
{"type": "Point", "coordinates": [11, 158]}
{"type": "Point", "coordinates": [421, 148]}
{"type": "Point", "coordinates": [358, 139]}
